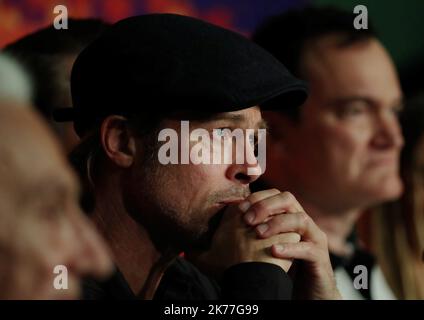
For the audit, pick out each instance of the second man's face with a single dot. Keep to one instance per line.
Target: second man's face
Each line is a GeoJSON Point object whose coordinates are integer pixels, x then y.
{"type": "Point", "coordinates": [348, 140]}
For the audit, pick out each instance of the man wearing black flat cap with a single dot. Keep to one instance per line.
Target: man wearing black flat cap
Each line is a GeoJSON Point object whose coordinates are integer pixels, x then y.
{"type": "Point", "coordinates": [135, 90]}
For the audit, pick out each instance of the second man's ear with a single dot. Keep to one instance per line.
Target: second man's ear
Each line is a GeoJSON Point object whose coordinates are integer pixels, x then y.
{"type": "Point", "coordinates": [117, 141]}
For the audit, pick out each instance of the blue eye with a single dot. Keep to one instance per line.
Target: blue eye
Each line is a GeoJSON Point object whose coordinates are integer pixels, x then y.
{"type": "Point", "coordinates": [252, 139]}
{"type": "Point", "coordinates": [222, 132]}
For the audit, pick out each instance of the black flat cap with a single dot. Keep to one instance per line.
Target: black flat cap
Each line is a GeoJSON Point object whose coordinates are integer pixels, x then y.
{"type": "Point", "coordinates": [161, 63]}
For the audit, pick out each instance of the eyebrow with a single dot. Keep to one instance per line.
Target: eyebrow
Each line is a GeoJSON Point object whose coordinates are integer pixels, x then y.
{"type": "Point", "coordinates": [238, 118]}
{"type": "Point", "coordinates": [344, 100]}
{"type": "Point", "coordinates": [262, 124]}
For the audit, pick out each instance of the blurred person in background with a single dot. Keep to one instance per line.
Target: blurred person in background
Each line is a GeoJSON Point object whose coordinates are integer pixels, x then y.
{"type": "Point", "coordinates": [339, 153]}
{"type": "Point", "coordinates": [48, 55]}
{"type": "Point", "coordinates": [15, 82]}
{"type": "Point", "coordinates": [41, 225]}
{"type": "Point", "coordinates": [397, 228]}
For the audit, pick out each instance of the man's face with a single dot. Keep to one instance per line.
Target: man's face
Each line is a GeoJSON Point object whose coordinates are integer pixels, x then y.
{"type": "Point", "coordinates": [344, 152]}
{"type": "Point", "coordinates": [188, 197]}
{"type": "Point", "coordinates": [42, 225]}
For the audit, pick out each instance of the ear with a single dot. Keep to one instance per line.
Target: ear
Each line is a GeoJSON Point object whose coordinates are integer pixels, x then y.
{"type": "Point", "coordinates": [117, 140]}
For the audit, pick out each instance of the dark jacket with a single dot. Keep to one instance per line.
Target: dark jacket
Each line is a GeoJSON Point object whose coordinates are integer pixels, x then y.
{"type": "Point", "coordinates": [183, 281]}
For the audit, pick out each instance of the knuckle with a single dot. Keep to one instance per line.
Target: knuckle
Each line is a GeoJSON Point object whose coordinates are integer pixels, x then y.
{"type": "Point", "coordinates": [273, 223]}
{"type": "Point", "coordinates": [308, 247]}
{"type": "Point", "coordinates": [293, 237]}
{"type": "Point", "coordinates": [309, 250]}
{"type": "Point", "coordinates": [303, 218]}
{"type": "Point", "coordinates": [288, 195]}
{"type": "Point", "coordinates": [276, 225]}
{"type": "Point", "coordinates": [252, 198]}
{"type": "Point", "coordinates": [286, 238]}
{"type": "Point", "coordinates": [323, 238]}
{"type": "Point", "coordinates": [260, 208]}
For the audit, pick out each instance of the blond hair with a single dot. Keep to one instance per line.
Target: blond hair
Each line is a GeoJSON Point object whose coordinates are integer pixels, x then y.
{"type": "Point", "coordinates": [398, 237]}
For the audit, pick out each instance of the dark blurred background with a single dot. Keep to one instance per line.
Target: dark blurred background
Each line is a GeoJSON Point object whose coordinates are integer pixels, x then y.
{"type": "Point", "coordinates": [400, 24]}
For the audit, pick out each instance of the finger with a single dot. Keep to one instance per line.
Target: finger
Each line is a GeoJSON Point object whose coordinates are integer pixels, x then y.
{"type": "Point", "coordinates": [280, 239]}
{"type": "Point", "coordinates": [277, 224]}
{"type": "Point", "coordinates": [305, 251]}
{"type": "Point", "coordinates": [257, 196]}
{"type": "Point", "coordinates": [298, 222]}
{"type": "Point", "coordinates": [262, 210]}
{"type": "Point", "coordinates": [261, 195]}
{"type": "Point", "coordinates": [288, 237]}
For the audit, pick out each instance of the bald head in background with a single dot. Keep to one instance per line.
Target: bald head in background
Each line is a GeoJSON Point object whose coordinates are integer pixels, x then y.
{"type": "Point", "coordinates": [41, 225]}
{"type": "Point", "coordinates": [15, 84]}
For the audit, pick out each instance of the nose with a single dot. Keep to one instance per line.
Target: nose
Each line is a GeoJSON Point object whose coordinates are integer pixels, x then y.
{"type": "Point", "coordinates": [90, 255]}
{"type": "Point", "coordinates": [246, 172]}
{"type": "Point", "coordinates": [388, 133]}
{"type": "Point", "coordinates": [239, 174]}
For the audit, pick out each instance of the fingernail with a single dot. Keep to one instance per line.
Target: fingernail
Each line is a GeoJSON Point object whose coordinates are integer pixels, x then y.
{"type": "Point", "coordinates": [244, 206]}
{"type": "Point", "coordinates": [262, 228]}
{"type": "Point", "coordinates": [249, 217]}
{"type": "Point", "coordinates": [279, 248]}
